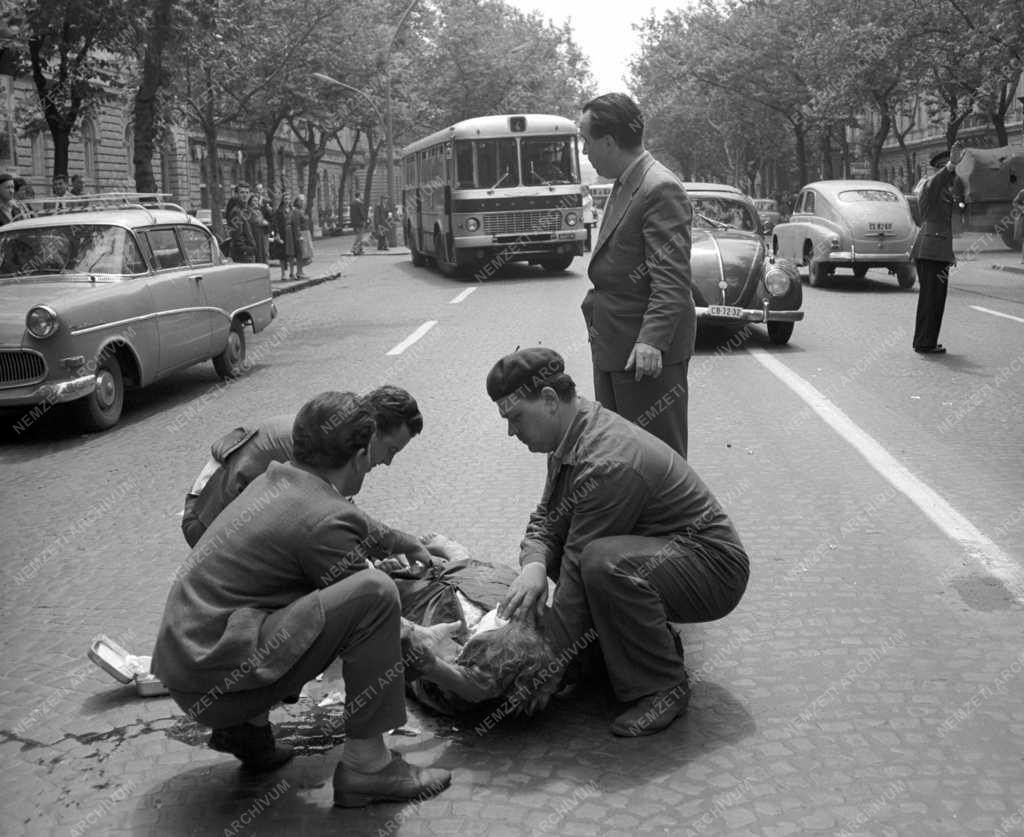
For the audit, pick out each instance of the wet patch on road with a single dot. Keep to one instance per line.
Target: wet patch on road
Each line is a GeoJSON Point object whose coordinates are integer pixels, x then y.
{"type": "Point", "coordinates": [983, 593]}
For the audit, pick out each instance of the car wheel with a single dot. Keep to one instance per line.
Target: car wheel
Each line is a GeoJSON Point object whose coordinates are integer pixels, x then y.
{"type": "Point", "coordinates": [418, 259]}
{"type": "Point", "coordinates": [906, 275]}
{"type": "Point", "coordinates": [1006, 233]}
{"type": "Point", "coordinates": [779, 333]}
{"type": "Point", "coordinates": [860, 271]}
{"type": "Point", "coordinates": [817, 272]}
{"type": "Point", "coordinates": [440, 258]}
{"type": "Point", "coordinates": [231, 362]}
{"type": "Point", "coordinates": [101, 409]}
{"type": "Point", "coordinates": [557, 265]}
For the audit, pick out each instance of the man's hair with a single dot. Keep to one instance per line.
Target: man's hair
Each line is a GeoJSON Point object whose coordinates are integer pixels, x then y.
{"type": "Point", "coordinates": [330, 428]}
{"type": "Point", "coordinates": [57, 177]}
{"type": "Point", "coordinates": [240, 186]}
{"type": "Point", "coordinates": [617, 115]}
{"type": "Point", "coordinates": [5, 176]}
{"type": "Point", "coordinates": [394, 407]}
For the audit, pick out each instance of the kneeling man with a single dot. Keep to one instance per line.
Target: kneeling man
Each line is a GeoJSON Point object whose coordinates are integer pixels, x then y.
{"type": "Point", "coordinates": [628, 531]}
{"type": "Point", "coordinates": [279, 586]}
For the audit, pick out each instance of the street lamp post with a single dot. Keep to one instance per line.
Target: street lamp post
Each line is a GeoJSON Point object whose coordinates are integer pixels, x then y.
{"type": "Point", "coordinates": [387, 101]}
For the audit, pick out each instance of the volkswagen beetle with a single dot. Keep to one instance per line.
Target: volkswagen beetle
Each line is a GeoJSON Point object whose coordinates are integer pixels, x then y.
{"type": "Point", "coordinates": [95, 301]}
{"type": "Point", "coordinates": [734, 278]}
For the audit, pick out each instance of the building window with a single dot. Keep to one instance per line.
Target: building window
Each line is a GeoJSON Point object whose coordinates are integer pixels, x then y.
{"type": "Point", "coordinates": [38, 154]}
{"type": "Point", "coordinates": [89, 150]}
{"type": "Point", "coordinates": [129, 149]}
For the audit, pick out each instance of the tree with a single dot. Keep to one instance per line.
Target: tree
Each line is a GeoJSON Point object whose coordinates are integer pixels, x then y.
{"type": "Point", "coordinates": [74, 50]}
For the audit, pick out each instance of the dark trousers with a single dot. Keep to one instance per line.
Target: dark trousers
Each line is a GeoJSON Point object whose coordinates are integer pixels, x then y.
{"type": "Point", "coordinates": [362, 625]}
{"type": "Point", "coordinates": [659, 405]}
{"type": "Point", "coordinates": [933, 278]}
{"type": "Point", "coordinates": [628, 588]}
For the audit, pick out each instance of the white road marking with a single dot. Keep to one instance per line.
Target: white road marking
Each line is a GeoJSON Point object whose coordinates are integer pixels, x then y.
{"type": "Point", "coordinates": [954, 525]}
{"type": "Point", "coordinates": [997, 313]}
{"type": "Point", "coordinates": [412, 338]}
{"type": "Point", "coordinates": [461, 296]}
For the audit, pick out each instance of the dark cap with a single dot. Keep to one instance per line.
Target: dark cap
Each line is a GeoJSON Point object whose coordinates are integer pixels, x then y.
{"type": "Point", "coordinates": [523, 373]}
{"type": "Point", "coordinates": [940, 159]}
{"type": "Point", "coordinates": [5, 176]}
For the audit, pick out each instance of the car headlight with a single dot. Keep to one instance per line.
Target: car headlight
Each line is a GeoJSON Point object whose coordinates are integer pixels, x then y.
{"type": "Point", "coordinates": [472, 224]}
{"type": "Point", "coordinates": [41, 322]}
{"type": "Point", "coordinates": [571, 219]}
{"type": "Point", "coordinates": [778, 278]}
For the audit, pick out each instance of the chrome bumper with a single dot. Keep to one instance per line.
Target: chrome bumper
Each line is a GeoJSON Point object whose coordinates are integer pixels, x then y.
{"type": "Point", "coordinates": [54, 393]}
{"type": "Point", "coordinates": [750, 315]}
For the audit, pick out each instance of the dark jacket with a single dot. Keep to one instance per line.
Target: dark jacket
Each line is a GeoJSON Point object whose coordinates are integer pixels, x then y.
{"type": "Point", "coordinates": [357, 214]}
{"type": "Point", "coordinates": [935, 237]}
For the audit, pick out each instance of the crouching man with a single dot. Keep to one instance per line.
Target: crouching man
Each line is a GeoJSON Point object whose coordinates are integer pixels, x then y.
{"type": "Point", "coordinates": [628, 531]}
{"type": "Point", "coordinates": [278, 587]}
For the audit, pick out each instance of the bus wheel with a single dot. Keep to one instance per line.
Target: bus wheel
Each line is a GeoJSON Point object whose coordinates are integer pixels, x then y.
{"type": "Point", "coordinates": [440, 259]}
{"type": "Point", "coordinates": [418, 259]}
{"type": "Point", "coordinates": [557, 264]}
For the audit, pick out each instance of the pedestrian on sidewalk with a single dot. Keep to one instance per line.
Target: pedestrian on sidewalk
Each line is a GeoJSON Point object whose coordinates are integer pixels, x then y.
{"type": "Point", "coordinates": [627, 530]}
{"type": "Point", "coordinates": [282, 247]}
{"type": "Point", "coordinates": [933, 249]}
{"type": "Point", "coordinates": [382, 218]}
{"type": "Point", "coordinates": [357, 216]}
{"type": "Point", "coordinates": [275, 591]}
{"type": "Point", "coordinates": [303, 235]}
{"type": "Point", "coordinates": [243, 243]}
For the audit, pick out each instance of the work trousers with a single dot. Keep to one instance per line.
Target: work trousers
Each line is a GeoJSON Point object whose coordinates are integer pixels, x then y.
{"type": "Point", "coordinates": [362, 625]}
{"type": "Point", "coordinates": [628, 588]}
{"type": "Point", "coordinates": [933, 278]}
{"type": "Point", "coordinates": [658, 405]}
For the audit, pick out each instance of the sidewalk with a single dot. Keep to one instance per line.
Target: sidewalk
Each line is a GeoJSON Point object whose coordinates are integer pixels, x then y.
{"type": "Point", "coordinates": [332, 253]}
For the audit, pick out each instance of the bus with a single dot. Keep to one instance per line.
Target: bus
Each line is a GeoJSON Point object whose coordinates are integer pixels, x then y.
{"type": "Point", "coordinates": [600, 192]}
{"type": "Point", "coordinates": [495, 189]}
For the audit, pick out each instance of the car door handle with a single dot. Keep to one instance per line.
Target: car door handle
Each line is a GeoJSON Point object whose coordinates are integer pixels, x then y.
{"type": "Point", "coordinates": [197, 278]}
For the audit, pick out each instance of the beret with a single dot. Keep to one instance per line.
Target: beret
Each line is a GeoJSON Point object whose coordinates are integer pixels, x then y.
{"type": "Point", "coordinates": [523, 372]}
{"type": "Point", "coordinates": [939, 159]}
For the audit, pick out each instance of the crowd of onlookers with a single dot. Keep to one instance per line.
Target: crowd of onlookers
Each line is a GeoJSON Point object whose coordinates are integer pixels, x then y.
{"type": "Point", "coordinates": [257, 232]}
{"type": "Point", "coordinates": [17, 195]}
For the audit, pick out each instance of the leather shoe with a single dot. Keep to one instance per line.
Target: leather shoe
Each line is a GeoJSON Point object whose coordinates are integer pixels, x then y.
{"type": "Point", "coordinates": [653, 713]}
{"type": "Point", "coordinates": [932, 350]}
{"type": "Point", "coordinates": [398, 782]}
{"type": "Point", "coordinates": [252, 745]}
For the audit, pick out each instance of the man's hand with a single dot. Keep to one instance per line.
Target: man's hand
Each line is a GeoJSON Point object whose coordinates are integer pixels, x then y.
{"type": "Point", "coordinates": [527, 595]}
{"type": "Point", "coordinates": [422, 647]}
{"type": "Point", "coordinates": [645, 360]}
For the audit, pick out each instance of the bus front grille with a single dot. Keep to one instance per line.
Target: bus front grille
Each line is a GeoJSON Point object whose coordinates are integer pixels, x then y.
{"type": "Point", "coordinates": [511, 223]}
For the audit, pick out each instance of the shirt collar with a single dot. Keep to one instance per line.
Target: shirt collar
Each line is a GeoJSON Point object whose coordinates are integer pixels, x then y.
{"type": "Point", "coordinates": [622, 178]}
{"type": "Point", "coordinates": [565, 453]}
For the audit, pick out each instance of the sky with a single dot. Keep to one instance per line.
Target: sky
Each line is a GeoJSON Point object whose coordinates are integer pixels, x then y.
{"type": "Point", "coordinates": [602, 31]}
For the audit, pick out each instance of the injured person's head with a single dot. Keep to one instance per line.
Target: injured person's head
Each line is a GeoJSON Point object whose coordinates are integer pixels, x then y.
{"type": "Point", "coordinates": [466, 658]}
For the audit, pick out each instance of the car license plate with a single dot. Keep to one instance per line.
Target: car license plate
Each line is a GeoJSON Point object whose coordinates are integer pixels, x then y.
{"type": "Point", "coordinates": [729, 311]}
{"type": "Point", "coordinates": [877, 226]}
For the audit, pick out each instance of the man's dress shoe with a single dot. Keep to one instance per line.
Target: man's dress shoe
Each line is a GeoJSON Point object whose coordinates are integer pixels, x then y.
{"type": "Point", "coordinates": [398, 782]}
{"type": "Point", "coordinates": [653, 713]}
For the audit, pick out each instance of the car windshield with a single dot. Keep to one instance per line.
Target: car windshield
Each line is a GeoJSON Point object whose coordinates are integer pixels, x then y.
{"type": "Point", "coordinates": [867, 195]}
{"type": "Point", "coordinates": [766, 205]}
{"type": "Point", "coordinates": [718, 213]}
{"type": "Point", "coordinates": [72, 249]}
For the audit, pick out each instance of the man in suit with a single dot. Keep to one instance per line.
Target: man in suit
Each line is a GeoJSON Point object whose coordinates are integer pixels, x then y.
{"type": "Point", "coordinates": [640, 313]}
{"type": "Point", "coordinates": [933, 249]}
{"type": "Point", "coordinates": [281, 585]}
{"type": "Point", "coordinates": [357, 217]}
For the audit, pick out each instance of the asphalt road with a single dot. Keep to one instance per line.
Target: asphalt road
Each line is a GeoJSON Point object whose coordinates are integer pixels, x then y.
{"type": "Point", "coordinates": [868, 683]}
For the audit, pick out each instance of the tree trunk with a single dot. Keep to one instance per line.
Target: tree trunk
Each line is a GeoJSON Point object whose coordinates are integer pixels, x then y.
{"type": "Point", "coordinates": [61, 123]}
{"type": "Point", "coordinates": [999, 123]}
{"type": "Point", "coordinates": [800, 134]}
{"type": "Point", "coordinates": [158, 36]}
{"type": "Point", "coordinates": [878, 139]}
{"type": "Point", "coordinates": [825, 149]}
{"type": "Point", "coordinates": [270, 157]}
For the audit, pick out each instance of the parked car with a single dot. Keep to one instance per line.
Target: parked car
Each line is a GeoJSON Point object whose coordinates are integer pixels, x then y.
{"type": "Point", "coordinates": [734, 278]}
{"type": "Point", "coordinates": [852, 224]}
{"type": "Point", "coordinates": [97, 301]}
{"type": "Point", "coordinates": [768, 209]}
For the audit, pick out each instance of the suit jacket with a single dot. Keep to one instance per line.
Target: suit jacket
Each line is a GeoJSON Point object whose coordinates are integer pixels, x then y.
{"type": "Point", "coordinates": [243, 609]}
{"type": "Point", "coordinates": [640, 267]}
{"type": "Point", "coordinates": [935, 237]}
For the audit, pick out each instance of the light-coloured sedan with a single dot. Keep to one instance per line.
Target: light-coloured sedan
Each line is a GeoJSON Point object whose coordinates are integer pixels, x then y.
{"type": "Point", "coordinates": [94, 302]}
{"type": "Point", "coordinates": [852, 224]}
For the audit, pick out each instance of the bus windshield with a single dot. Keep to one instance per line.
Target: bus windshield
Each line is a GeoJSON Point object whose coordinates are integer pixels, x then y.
{"type": "Point", "coordinates": [549, 160]}
{"type": "Point", "coordinates": [486, 164]}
